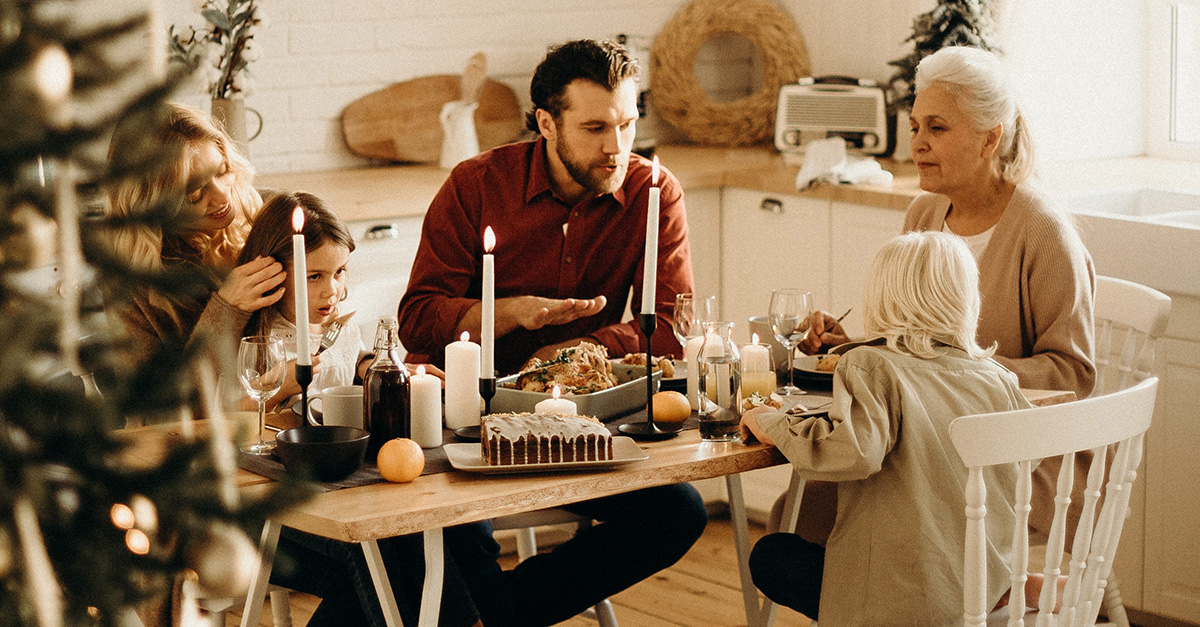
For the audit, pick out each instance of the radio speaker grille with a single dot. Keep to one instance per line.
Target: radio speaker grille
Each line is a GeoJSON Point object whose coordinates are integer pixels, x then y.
{"type": "Point", "coordinates": [832, 111]}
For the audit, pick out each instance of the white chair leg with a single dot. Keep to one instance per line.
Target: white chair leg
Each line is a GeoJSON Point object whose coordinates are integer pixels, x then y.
{"type": "Point", "coordinates": [281, 608]}
{"type": "Point", "coordinates": [1112, 605]}
{"type": "Point", "coordinates": [526, 543]}
{"type": "Point", "coordinates": [604, 614]}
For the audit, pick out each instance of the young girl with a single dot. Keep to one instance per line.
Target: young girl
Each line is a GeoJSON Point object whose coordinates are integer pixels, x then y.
{"type": "Point", "coordinates": [894, 556]}
{"type": "Point", "coordinates": [328, 245]}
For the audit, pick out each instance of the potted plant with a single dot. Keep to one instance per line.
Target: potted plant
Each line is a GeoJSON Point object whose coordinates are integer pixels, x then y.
{"type": "Point", "coordinates": [950, 23]}
{"type": "Point", "coordinates": [220, 53]}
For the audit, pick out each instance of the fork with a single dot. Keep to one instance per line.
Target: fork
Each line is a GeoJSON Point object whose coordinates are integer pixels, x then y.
{"type": "Point", "coordinates": [332, 331]}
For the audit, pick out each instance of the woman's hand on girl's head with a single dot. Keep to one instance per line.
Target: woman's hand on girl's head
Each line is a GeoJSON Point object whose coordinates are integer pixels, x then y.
{"type": "Point", "coordinates": [252, 285]}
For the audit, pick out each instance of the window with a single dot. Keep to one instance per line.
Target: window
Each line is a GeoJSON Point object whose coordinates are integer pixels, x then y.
{"type": "Point", "coordinates": [1173, 72]}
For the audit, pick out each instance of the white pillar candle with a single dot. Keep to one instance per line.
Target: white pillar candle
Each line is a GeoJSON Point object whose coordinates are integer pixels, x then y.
{"type": "Point", "coordinates": [556, 405]}
{"type": "Point", "coordinates": [755, 357]}
{"type": "Point", "coordinates": [650, 270]}
{"type": "Point", "coordinates": [692, 357]}
{"type": "Point", "coordinates": [462, 383]}
{"type": "Point", "coordinates": [300, 289]}
{"type": "Point", "coordinates": [488, 322]}
{"type": "Point", "coordinates": [426, 411]}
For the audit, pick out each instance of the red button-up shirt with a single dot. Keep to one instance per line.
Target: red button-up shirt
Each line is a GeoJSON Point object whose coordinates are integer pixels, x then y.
{"type": "Point", "coordinates": [544, 247]}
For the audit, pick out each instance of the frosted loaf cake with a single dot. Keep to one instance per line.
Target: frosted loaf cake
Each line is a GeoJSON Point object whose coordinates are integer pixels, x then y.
{"type": "Point", "coordinates": [542, 438]}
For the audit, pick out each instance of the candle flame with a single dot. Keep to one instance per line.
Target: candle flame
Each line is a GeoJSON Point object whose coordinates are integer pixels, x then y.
{"type": "Point", "coordinates": [557, 392]}
{"type": "Point", "coordinates": [421, 370]}
{"type": "Point", "coordinates": [754, 338]}
{"type": "Point", "coordinates": [466, 335]}
{"type": "Point", "coordinates": [654, 172]}
{"type": "Point", "coordinates": [489, 240]}
{"type": "Point", "coordinates": [298, 219]}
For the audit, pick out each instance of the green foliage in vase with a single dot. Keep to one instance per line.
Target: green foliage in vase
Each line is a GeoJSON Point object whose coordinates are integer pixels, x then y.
{"type": "Point", "coordinates": [69, 72]}
{"type": "Point", "coordinates": [221, 50]}
{"type": "Point", "coordinates": [950, 23]}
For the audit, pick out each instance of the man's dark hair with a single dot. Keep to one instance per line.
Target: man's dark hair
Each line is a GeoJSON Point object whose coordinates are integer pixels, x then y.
{"type": "Point", "coordinates": [605, 63]}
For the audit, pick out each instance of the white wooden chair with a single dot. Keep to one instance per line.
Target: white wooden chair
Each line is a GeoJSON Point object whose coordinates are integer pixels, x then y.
{"type": "Point", "coordinates": [1025, 437]}
{"type": "Point", "coordinates": [524, 524]}
{"type": "Point", "coordinates": [1130, 318]}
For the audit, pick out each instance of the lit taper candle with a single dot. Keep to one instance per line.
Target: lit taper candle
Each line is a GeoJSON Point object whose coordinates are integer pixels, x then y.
{"type": "Point", "coordinates": [650, 270]}
{"type": "Point", "coordinates": [300, 288]}
{"type": "Point", "coordinates": [487, 332]}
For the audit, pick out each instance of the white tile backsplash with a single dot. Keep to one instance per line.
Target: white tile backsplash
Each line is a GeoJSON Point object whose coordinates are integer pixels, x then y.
{"type": "Point", "coordinates": [316, 56]}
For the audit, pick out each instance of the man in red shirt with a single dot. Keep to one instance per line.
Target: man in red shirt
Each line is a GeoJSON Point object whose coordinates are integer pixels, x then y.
{"type": "Point", "coordinates": [569, 213]}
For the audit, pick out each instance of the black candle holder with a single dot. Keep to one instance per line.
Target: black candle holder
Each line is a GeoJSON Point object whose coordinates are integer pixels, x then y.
{"type": "Point", "coordinates": [648, 430]}
{"type": "Point", "coordinates": [304, 376]}
{"type": "Point", "coordinates": [487, 389]}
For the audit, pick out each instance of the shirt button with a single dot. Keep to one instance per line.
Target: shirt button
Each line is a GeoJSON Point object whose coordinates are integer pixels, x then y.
{"type": "Point", "coordinates": [569, 259]}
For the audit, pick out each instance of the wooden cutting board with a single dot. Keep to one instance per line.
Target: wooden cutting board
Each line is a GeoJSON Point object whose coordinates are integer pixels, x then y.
{"type": "Point", "coordinates": [400, 122]}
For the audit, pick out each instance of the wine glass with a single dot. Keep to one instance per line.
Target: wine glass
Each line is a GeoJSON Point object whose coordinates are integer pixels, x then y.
{"type": "Point", "coordinates": [790, 315]}
{"type": "Point", "coordinates": [262, 365]}
{"type": "Point", "coordinates": [691, 314]}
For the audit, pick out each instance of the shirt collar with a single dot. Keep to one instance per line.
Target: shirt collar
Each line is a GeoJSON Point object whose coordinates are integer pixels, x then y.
{"type": "Point", "coordinates": [539, 175]}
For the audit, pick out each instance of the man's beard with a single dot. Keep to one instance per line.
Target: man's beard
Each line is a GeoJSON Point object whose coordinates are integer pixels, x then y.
{"type": "Point", "coordinates": [586, 175]}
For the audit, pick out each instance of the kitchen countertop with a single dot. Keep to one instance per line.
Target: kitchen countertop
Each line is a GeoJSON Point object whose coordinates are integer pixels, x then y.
{"type": "Point", "coordinates": [392, 191]}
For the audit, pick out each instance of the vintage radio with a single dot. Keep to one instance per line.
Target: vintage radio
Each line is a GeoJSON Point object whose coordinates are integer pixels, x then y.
{"type": "Point", "coordinates": [853, 109]}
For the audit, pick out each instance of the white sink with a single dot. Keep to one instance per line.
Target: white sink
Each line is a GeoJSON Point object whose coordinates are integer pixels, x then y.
{"type": "Point", "coordinates": [1150, 236]}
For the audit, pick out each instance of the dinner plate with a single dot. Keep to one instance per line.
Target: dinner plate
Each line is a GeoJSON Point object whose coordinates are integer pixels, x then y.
{"type": "Point", "coordinates": [808, 365]}
{"type": "Point", "coordinates": [467, 456]}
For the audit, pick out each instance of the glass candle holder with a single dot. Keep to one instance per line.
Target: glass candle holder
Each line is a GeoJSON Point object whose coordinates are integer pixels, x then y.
{"type": "Point", "coordinates": [758, 373]}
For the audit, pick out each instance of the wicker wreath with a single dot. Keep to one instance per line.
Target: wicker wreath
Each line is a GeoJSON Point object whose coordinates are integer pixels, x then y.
{"type": "Point", "coordinates": [684, 104]}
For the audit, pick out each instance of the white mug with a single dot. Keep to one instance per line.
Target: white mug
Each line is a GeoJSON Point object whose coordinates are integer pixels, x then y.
{"type": "Point", "coordinates": [342, 405]}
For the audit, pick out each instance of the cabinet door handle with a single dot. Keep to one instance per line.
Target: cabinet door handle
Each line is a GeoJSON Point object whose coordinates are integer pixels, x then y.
{"type": "Point", "coordinates": [772, 205]}
{"type": "Point", "coordinates": [383, 231]}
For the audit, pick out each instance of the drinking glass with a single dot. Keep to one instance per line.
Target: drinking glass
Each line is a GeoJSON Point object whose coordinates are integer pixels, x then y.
{"type": "Point", "coordinates": [691, 314]}
{"type": "Point", "coordinates": [262, 365]}
{"type": "Point", "coordinates": [790, 314]}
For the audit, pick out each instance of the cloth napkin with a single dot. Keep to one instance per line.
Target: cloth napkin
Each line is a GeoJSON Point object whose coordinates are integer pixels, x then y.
{"type": "Point", "coordinates": [826, 160]}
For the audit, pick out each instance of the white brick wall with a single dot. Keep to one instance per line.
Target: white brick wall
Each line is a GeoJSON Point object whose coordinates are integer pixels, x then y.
{"type": "Point", "coordinates": [319, 55]}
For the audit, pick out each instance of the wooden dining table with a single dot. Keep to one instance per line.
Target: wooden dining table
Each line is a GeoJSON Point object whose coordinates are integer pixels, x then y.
{"type": "Point", "coordinates": [369, 513]}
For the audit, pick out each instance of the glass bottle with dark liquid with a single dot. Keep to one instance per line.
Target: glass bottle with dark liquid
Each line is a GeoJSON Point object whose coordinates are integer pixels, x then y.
{"type": "Point", "coordinates": [386, 390]}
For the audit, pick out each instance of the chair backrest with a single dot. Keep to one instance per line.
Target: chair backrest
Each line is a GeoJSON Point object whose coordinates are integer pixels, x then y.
{"type": "Point", "coordinates": [1130, 318]}
{"type": "Point", "coordinates": [1025, 437]}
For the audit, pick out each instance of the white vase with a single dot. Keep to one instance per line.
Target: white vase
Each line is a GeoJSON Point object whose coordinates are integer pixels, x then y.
{"type": "Point", "coordinates": [230, 116]}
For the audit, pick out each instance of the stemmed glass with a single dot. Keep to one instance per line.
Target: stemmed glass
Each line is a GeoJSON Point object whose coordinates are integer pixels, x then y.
{"type": "Point", "coordinates": [262, 365]}
{"type": "Point", "coordinates": [690, 316]}
{"type": "Point", "coordinates": [790, 315]}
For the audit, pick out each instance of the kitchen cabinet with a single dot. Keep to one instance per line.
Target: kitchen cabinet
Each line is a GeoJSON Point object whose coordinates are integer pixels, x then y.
{"type": "Point", "coordinates": [770, 241]}
{"type": "Point", "coordinates": [858, 232]}
{"type": "Point", "coordinates": [704, 236]}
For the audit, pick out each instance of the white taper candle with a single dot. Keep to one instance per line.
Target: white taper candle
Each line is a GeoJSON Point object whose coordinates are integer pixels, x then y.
{"type": "Point", "coordinates": [487, 369]}
{"type": "Point", "coordinates": [300, 289]}
{"type": "Point", "coordinates": [650, 270]}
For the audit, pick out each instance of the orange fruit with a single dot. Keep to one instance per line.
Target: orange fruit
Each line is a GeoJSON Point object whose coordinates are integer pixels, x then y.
{"type": "Point", "coordinates": [401, 460]}
{"type": "Point", "coordinates": [671, 406]}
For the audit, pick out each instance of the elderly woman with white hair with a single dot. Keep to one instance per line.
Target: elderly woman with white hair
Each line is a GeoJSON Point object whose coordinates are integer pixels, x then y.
{"type": "Point", "coordinates": [974, 155]}
{"type": "Point", "coordinates": [886, 440]}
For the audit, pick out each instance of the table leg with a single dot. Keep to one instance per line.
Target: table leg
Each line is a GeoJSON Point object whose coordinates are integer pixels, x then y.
{"type": "Point", "coordinates": [262, 574]}
{"type": "Point", "coordinates": [383, 586]}
{"type": "Point", "coordinates": [758, 615]}
{"type": "Point", "coordinates": [435, 566]}
{"type": "Point", "coordinates": [741, 536]}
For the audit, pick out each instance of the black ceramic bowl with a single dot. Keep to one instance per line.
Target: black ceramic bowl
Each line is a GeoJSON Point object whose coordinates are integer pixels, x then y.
{"type": "Point", "coordinates": [322, 453]}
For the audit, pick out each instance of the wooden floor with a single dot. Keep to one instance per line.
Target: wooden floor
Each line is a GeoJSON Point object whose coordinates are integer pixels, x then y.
{"type": "Point", "coordinates": [702, 590]}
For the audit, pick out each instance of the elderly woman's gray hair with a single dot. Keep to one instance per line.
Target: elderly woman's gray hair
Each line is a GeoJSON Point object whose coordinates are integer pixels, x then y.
{"type": "Point", "coordinates": [922, 291]}
{"type": "Point", "coordinates": [977, 80]}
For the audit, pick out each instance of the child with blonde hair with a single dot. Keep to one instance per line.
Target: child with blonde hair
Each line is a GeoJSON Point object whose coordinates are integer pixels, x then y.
{"type": "Point", "coordinates": [894, 555]}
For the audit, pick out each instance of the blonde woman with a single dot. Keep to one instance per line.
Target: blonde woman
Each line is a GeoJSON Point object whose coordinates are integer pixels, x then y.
{"type": "Point", "coordinates": [212, 185]}
{"type": "Point", "coordinates": [889, 559]}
